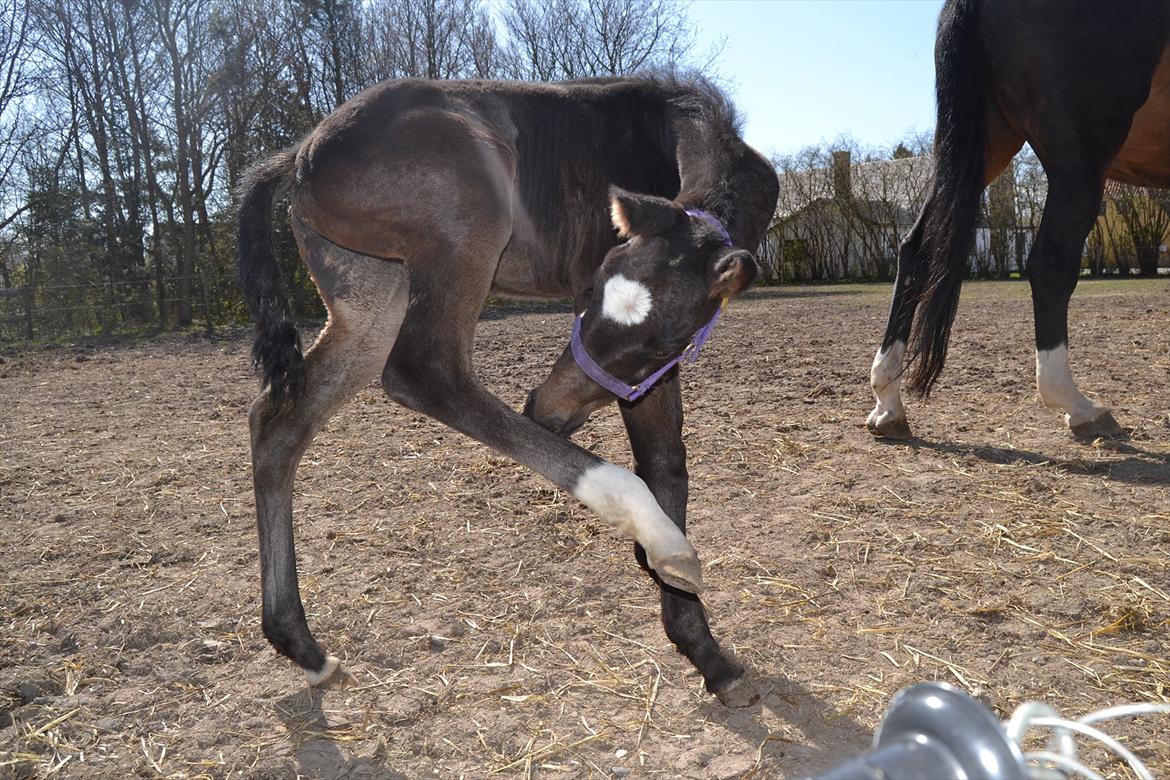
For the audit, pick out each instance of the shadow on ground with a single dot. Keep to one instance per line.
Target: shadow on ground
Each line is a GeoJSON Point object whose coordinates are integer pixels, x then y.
{"type": "Point", "coordinates": [828, 736]}
{"type": "Point", "coordinates": [1140, 467]}
{"type": "Point", "coordinates": [316, 751]}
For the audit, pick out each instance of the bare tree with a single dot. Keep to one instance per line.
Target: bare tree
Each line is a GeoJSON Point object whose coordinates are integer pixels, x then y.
{"type": "Point", "coordinates": [124, 126]}
{"type": "Point", "coordinates": [16, 126]}
{"type": "Point", "coordinates": [437, 39]}
{"type": "Point", "coordinates": [1144, 213]}
{"type": "Point", "coordinates": [567, 39]}
{"type": "Point", "coordinates": [182, 32]}
{"type": "Point", "coordinates": [1001, 222]}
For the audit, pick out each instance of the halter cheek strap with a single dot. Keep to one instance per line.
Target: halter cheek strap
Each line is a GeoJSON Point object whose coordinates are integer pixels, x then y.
{"type": "Point", "coordinates": [628, 392]}
{"type": "Point", "coordinates": [713, 221]}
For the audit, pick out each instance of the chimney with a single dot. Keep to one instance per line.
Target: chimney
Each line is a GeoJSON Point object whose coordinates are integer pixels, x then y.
{"type": "Point", "coordinates": [842, 172]}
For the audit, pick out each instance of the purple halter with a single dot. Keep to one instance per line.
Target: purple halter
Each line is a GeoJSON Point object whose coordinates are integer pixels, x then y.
{"type": "Point", "coordinates": [714, 222]}
{"type": "Point", "coordinates": [690, 354]}
{"type": "Point", "coordinates": [628, 392]}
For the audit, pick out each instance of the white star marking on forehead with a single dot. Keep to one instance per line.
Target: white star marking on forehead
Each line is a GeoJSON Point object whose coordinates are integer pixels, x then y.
{"type": "Point", "coordinates": [625, 301]}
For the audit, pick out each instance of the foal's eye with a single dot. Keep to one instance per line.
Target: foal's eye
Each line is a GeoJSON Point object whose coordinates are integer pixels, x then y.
{"type": "Point", "coordinates": [661, 354]}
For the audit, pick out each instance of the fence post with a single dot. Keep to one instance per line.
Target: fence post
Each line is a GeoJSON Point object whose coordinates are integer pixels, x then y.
{"type": "Point", "coordinates": [28, 312]}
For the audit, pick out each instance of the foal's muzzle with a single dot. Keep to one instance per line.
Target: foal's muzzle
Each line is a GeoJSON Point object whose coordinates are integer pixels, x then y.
{"type": "Point", "coordinates": [562, 423]}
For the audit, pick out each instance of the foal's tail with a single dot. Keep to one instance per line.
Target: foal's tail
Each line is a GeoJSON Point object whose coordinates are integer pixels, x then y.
{"type": "Point", "coordinates": [276, 352]}
{"type": "Point", "coordinates": [952, 210]}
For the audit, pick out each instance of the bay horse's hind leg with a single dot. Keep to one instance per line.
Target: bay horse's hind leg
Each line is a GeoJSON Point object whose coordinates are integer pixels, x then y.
{"type": "Point", "coordinates": [654, 425]}
{"type": "Point", "coordinates": [888, 417]}
{"type": "Point", "coordinates": [366, 298]}
{"type": "Point", "coordinates": [1054, 264]}
{"type": "Point", "coordinates": [888, 420]}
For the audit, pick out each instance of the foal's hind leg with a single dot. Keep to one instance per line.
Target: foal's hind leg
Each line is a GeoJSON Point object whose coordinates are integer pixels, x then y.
{"type": "Point", "coordinates": [366, 298]}
{"type": "Point", "coordinates": [654, 425]}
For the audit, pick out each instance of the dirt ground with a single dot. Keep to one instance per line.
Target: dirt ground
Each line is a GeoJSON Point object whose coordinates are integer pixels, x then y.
{"type": "Point", "coordinates": [496, 627]}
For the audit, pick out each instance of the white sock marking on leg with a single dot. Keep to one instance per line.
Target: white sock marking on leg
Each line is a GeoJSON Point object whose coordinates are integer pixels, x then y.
{"type": "Point", "coordinates": [885, 377]}
{"type": "Point", "coordinates": [331, 666]}
{"type": "Point", "coordinates": [621, 498]}
{"type": "Point", "coordinates": [1058, 390]}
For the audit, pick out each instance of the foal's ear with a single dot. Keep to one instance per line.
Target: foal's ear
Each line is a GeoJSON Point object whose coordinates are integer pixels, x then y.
{"type": "Point", "coordinates": [731, 274]}
{"type": "Point", "coordinates": [635, 214]}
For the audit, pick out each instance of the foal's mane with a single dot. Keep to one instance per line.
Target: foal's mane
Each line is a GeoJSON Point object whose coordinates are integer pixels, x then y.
{"type": "Point", "coordinates": [695, 95]}
{"type": "Point", "coordinates": [668, 134]}
{"type": "Point", "coordinates": [719, 172]}
{"type": "Point", "coordinates": [720, 127]}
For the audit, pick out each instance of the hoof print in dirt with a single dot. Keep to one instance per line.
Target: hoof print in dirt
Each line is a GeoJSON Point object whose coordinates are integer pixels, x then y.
{"type": "Point", "coordinates": [28, 691]}
{"type": "Point", "coordinates": [212, 651]}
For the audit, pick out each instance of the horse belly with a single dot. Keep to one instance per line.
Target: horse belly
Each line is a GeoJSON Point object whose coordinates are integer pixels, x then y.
{"type": "Point", "coordinates": [526, 271]}
{"type": "Point", "coordinates": [1144, 160]}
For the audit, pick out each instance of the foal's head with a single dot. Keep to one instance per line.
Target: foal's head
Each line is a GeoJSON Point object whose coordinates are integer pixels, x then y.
{"type": "Point", "coordinates": [650, 297]}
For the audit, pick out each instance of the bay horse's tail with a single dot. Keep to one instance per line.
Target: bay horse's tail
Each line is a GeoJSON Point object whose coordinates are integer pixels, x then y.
{"type": "Point", "coordinates": [276, 352]}
{"type": "Point", "coordinates": [952, 209]}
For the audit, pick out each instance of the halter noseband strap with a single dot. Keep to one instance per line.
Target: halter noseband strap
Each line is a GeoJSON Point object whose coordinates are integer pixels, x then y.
{"type": "Point", "coordinates": [628, 392]}
{"type": "Point", "coordinates": [690, 354]}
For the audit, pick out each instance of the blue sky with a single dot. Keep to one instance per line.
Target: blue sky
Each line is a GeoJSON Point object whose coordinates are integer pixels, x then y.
{"type": "Point", "coordinates": [805, 71]}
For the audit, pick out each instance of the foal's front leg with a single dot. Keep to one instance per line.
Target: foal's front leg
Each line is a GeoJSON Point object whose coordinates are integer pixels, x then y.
{"type": "Point", "coordinates": [430, 371]}
{"type": "Point", "coordinates": [654, 424]}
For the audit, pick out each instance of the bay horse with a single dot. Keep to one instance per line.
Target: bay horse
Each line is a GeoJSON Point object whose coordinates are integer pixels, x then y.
{"type": "Point", "coordinates": [1087, 84]}
{"type": "Point", "coordinates": [416, 199]}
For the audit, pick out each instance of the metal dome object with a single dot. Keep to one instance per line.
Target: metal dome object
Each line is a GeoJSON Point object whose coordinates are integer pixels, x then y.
{"type": "Point", "coordinates": [934, 731]}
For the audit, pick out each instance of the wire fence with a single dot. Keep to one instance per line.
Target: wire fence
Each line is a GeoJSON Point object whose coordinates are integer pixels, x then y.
{"type": "Point", "coordinates": [52, 311]}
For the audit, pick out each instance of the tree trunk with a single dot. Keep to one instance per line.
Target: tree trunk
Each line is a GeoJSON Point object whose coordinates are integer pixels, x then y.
{"type": "Point", "coordinates": [168, 27]}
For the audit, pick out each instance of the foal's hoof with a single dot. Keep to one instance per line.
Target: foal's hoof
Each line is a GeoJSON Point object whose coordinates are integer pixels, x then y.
{"type": "Point", "coordinates": [332, 675]}
{"type": "Point", "coordinates": [681, 571]}
{"type": "Point", "coordinates": [738, 693]}
{"type": "Point", "coordinates": [888, 428]}
{"type": "Point", "coordinates": [1101, 426]}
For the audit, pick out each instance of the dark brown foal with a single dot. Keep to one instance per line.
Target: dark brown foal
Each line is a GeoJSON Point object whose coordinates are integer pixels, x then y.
{"type": "Point", "coordinates": [415, 200]}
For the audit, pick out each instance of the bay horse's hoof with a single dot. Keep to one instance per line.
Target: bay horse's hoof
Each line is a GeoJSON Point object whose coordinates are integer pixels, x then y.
{"type": "Point", "coordinates": [738, 693]}
{"type": "Point", "coordinates": [332, 675]}
{"type": "Point", "coordinates": [681, 571]}
{"type": "Point", "coordinates": [884, 427]}
{"type": "Point", "coordinates": [1101, 426]}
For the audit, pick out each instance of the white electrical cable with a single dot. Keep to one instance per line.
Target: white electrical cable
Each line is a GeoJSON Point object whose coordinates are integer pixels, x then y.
{"type": "Point", "coordinates": [1062, 750]}
{"type": "Point", "coordinates": [1119, 749]}
{"type": "Point", "coordinates": [1062, 741]}
{"type": "Point", "coordinates": [1124, 711]}
{"type": "Point", "coordinates": [1065, 764]}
